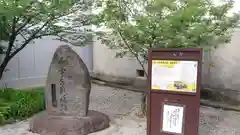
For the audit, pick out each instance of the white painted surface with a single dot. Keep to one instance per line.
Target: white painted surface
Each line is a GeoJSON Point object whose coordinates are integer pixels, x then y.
{"type": "Point", "coordinates": [105, 62]}
{"type": "Point", "coordinates": [30, 66]}
{"type": "Point", "coordinates": [226, 73]}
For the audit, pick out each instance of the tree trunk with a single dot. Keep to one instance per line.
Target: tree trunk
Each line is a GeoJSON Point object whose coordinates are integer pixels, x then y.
{"type": "Point", "coordinates": [3, 66]}
{"type": "Point", "coordinates": [143, 103]}
{"type": "Point", "coordinates": [144, 97]}
{"type": "Point", "coordinates": [1, 72]}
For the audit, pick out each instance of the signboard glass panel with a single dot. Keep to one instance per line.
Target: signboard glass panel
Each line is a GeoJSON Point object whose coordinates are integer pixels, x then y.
{"type": "Point", "coordinates": [174, 75]}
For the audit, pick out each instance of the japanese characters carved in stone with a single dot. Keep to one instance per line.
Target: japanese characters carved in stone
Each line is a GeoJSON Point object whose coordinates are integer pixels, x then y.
{"type": "Point", "coordinates": [68, 84]}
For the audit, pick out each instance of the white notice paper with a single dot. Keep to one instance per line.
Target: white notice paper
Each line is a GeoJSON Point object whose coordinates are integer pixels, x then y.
{"type": "Point", "coordinates": [172, 119]}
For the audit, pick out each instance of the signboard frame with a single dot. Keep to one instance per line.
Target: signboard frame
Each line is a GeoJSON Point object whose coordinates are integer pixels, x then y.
{"type": "Point", "coordinates": [157, 98]}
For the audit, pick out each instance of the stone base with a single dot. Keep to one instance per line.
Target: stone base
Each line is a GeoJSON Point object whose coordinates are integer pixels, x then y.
{"type": "Point", "coordinates": [45, 124]}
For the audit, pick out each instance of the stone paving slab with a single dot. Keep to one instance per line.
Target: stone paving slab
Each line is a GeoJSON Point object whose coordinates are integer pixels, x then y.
{"type": "Point", "coordinates": [123, 106]}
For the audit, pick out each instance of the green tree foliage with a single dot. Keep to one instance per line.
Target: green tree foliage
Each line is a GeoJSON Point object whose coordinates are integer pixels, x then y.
{"type": "Point", "coordinates": [137, 25]}
{"type": "Point", "coordinates": [23, 21]}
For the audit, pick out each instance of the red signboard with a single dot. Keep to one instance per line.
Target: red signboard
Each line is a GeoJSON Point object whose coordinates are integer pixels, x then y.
{"type": "Point", "coordinates": [174, 91]}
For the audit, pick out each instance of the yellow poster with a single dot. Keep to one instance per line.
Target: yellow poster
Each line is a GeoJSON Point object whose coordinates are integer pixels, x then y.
{"type": "Point", "coordinates": [173, 75]}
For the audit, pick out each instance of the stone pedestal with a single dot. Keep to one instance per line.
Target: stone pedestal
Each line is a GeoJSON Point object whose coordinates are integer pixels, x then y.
{"type": "Point", "coordinates": [46, 124]}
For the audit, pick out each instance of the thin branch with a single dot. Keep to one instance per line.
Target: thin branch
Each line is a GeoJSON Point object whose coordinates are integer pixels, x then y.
{"type": "Point", "coordinates": [2, 23]}
{"type": "Point", "coordinates": [23, 36]}
{"type": "Point", "coordinates": [47, 34]}
{"type": "Point", "coordinates": [42, 35]}
{"type": "Point", "coordinates": [153, 39]}
{"type": "Point", "coordinates": [128, 46]}
{"type": "Point", "coordinates": [33, 36]}
{"type": "Point", "coordinates": [61, 38]}
{"type": "Point", "coordinates": [25, 10]}
{"type": "Point", "coordinates": [11, 38]}
{"type": "Point", "coordinates": [28, 19]}
{"type": "Point", "coordinates": [24, 24]}
{"type": "Point", "coordinates": [131, 50]}
{"type": "Point", "coordinates": [126, 7]}
{"type": "Point", "coordinates": [153, 36]}
{"type": "Point", "coordinates": [126, 43]}
{"type": "Point", "coordinates": [4, 31]}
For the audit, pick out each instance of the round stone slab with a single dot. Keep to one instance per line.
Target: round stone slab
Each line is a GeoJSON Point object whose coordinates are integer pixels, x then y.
{"type": "Point", "coordinates": [45, 124]}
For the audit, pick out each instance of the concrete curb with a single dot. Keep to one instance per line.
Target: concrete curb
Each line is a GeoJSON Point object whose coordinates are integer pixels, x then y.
{"type": "Point", "coordinates": [204, 102]}
{"type": "Point", "coordinates": [104, 83]}
{"type": "Point", "coordinates": [219, 105]}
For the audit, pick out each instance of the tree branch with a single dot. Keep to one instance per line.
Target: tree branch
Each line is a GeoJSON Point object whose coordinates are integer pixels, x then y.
{"type": "Point", "coordinates": [46, 34]}
{"type": "Point", "coordinates": [24, 24]}
{"type": "Point", "coordinates": [23, 36]}
{"type": "Point", "coordinates": [28, 19]}
{"type": "Point", "coordinates": [3, 24]}
{"type": "Point", "coordinates": [42, 35]}
{"type": "Point", "coordinates": [134, 54]}
{"type": "Point", "coordinates": [153, 38]}
{"type": "Point", "coordinates": [12, 37]}
{"type": "Point", "coordinates": [128, 46]}
{"type": "Point", "coordinates": [33, 36]}
{"type": "Point", "coordinates": [4, 31]}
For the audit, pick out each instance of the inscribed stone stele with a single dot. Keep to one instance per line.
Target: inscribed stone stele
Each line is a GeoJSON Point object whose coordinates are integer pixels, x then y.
{"type": "Point", "coordinates": [68, 84]}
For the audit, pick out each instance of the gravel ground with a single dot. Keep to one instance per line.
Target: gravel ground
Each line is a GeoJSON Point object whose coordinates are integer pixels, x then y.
{"type": "Point", "coordinates": [123, 106]}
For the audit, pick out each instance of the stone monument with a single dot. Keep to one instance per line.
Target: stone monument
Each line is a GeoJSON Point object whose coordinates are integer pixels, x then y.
{"type": "Point", "coordinates": [67, 95]}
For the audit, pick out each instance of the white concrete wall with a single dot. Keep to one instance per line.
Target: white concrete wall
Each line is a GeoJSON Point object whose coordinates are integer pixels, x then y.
{"type": "Point", "coordinates": [226, 60]}
{"type": "Point", "coordinates": [30, 66]}
{"type": "Point", "coordinates": [224, 74]}
{"type": "Point", "coordinates": [106, 63]}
